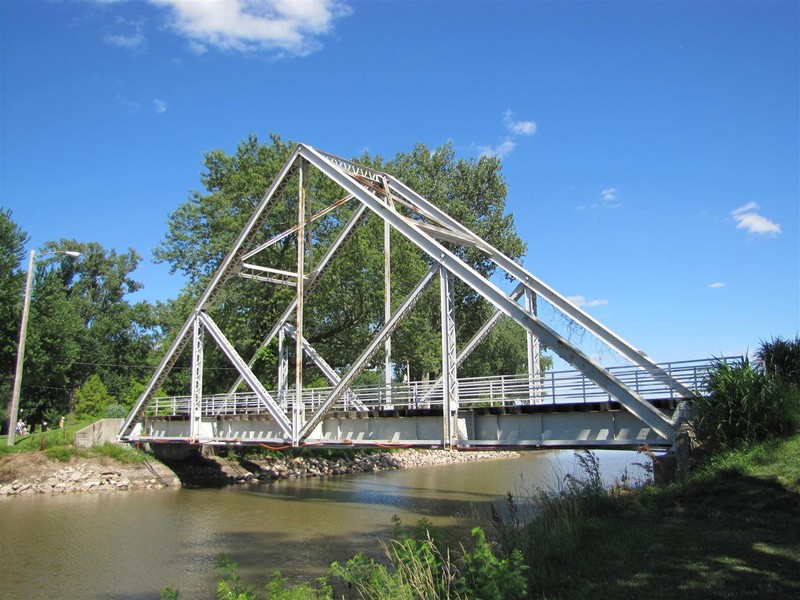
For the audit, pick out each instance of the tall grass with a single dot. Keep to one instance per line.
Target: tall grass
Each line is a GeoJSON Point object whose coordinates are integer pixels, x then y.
{"type": "Point", "coordinates": [781, 358]}
{"type": "Point", "coordinates": [549, 526]}
{"type": "Point", "coordinates": [746, 404]}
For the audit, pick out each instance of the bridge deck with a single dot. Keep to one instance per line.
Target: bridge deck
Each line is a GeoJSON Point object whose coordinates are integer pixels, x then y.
{"type": "Point", "coordinates": [562, 409]}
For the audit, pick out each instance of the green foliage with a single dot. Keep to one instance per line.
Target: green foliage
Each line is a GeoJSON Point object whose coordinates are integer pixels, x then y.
{"type": "Point", "coordinates": [62, 453]}
{"type": "Point", "coordinates": [418, 568]}
{"type": "Point", "coordinates": [744, 405]}
{"type": "Point", "coordinates": [550, 526]}
{"type": "Point", "coordinates": [781, 358]}
{"type": "Point", "coordinates": [347, 305]}
{"type": "Point", "coordinates": [121, 454]}
{"type": "Point", "coordinates": [169, 593]}
{"type": "Point", "coordinates": [487, 576]}
{"type": "Point", "coordinates": [81, 324]}
{"type": "Point", "coordinates": [116, 411]}
{"type": "Point", "coordinates": [229, 586]}
{"type": "Point", "coordinates": [278, 589]}
{"type": "Point", "coordinates": [12, 284]}
{"type": "Point", "coordinates": [92, 399]}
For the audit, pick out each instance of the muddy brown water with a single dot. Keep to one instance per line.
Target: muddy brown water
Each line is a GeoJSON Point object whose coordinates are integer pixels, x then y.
{"type": "Point", "coordinates": [118, 545]}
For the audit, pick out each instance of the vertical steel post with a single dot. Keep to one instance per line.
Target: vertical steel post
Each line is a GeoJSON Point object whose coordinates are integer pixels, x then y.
{"type": "Point", "coordinates": [449, 368]}
{"type": "Point", "coordinates": [387, 308]}
{"type": "Point", "coordinates": [534, 354]}
{"type": "Point", "coordinates": [298, 412]}
{"type": "Point", "coordinates": [196, 408]}
{"type": "Point", "coordinates": [13, 408]}
{"type": "Point", "coordinates": [283, 368]}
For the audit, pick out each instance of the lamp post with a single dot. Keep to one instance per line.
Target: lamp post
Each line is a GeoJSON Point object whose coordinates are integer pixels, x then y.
{"type": "Point", "coordinates": [23, 329]}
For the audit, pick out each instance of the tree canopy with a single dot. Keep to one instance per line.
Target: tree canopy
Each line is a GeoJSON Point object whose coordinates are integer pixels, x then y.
{"type": "Point", "coordinates": [80, 324]}
{"type": "Point", "coordinates": [347, 305]}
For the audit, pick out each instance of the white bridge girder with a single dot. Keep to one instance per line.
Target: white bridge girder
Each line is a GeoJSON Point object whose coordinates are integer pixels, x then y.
{"type": "Point", "coordinates": [381, 194]}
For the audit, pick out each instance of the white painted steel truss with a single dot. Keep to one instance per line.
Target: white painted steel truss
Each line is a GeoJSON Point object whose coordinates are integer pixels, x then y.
{"type": "Point", "coordinates": [427, 227]}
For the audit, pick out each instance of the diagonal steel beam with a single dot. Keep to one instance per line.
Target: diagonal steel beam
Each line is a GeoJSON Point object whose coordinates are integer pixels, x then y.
{"type": "Point", "coordinates": [226, 269]}
{"type": "Point", "coordinates": [358, 366]}
{"type": "Point", "coordinates": [330, 374]}
{"type": "Point", "coordinates": [612, 385]}
{"type": "Point", "coordinates": [249, 377]}
{"type": "Point", "coordinates": [312, 279]}
{"type": "Point", "coordinates": [546, 292]}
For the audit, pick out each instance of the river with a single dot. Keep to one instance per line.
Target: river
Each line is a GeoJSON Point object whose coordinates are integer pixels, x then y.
{"type": "Point", "coordinates": [132, 545]}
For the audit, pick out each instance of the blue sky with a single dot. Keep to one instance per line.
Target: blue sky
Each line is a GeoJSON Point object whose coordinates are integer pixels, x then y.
{"type": "Point", "coordinates": [650, 148]}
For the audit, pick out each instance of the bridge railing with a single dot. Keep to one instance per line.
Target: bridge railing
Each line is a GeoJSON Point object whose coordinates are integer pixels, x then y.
{"type": "Point", "coordinates": [553, 387]}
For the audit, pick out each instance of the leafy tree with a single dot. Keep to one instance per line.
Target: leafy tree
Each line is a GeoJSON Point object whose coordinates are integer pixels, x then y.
{"type": "Point", "coordinates": [12, 282]}
{"type": "Point", "coordinates": [347, 305]}
{"type": "Point", "coordinates": [92, 399]}
{"type": "Point", "coordinates": [81, 324]}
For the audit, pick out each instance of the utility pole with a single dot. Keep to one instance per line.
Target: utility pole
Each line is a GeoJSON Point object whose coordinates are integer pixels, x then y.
{"type": "Point", "coordinates": [13, 407]}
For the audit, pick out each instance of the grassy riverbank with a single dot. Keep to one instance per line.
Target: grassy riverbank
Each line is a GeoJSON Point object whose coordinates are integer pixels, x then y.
{"type": "Point", "coordinates": [731, 530]}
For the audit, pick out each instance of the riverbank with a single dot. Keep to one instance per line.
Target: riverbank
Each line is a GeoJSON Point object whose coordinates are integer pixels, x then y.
{"type": "Point", "coordinates": [241, 468]}
{"type": "Point", "coordinates": [30, 473]}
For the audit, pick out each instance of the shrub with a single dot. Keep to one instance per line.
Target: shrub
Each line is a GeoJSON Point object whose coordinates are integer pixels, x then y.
{"type": "Point", "coordinates": [744, 405]}
{"type": "Point", "coordinates": [419, 569]}
{"type": "Point", "coordinates": [92, 398]}
{"type": "Point", "coordinates": [116, 411]}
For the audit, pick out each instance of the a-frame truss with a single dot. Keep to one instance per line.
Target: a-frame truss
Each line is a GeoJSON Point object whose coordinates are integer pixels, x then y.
{"type": "Point", "coordinates": [426, 226]}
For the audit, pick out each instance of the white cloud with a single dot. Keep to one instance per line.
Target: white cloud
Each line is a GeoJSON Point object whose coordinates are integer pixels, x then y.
{"type": "Point", "coordinates": [284, 26]}
{"type": "Point", "coordinates": [752, 222]}
{"type": "Point", "coordinates": [518, 127]}
{"type": "Point", "coordinates": [745, 208]}
{"type": "Point", "coordinates": [716, 285]}
{"type": "Point", "coordinates": [610, 194]}
{"type": "Point", "coordinates": [160, 106]}
{"type": "Point", "coordinates": [582, 302]}
{"type": "Point", "coordinates": [500, 150]}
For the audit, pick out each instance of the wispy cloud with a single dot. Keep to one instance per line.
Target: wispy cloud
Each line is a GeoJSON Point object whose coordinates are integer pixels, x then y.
{"type": "Point", "coordinates": [501, 150]}
{"type": "Point", "coordinates": [518, 127]}
{"type": "Point", "coordinates": [752, 222]}
{"type": "Point", "coordinates": [286, 27]}
{"type": "Point", "coordinates": [515, 128]}
{"type": "Point", "coordinates": [129, 105]}
{"type": "Point", "coordinates": [716, 285]}
{"type": "Point", "coordinates": [582, 302]}
{"type": "Point", "coordinates": [160, 106]}
{"type": "Point", "coordinates": [132, 39]}
{"type": "Point", "coordinates": [609, 196]}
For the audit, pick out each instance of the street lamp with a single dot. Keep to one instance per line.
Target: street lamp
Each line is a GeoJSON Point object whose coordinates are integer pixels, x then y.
{"type": "Point", "coordinates": [23, 329]}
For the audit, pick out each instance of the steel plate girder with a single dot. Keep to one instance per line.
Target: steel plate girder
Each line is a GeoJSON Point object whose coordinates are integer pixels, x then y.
{"type": "Point", "coordinates": [608, 382]}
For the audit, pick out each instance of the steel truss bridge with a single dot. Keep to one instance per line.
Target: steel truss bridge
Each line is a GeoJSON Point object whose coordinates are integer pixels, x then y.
{"type": "Point", "coordinates": [560, 409]}
{"type": "Point", "coordinates": [591, 406]}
